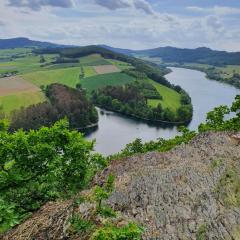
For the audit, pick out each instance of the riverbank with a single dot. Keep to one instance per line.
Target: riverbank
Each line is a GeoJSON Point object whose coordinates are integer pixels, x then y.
{"type": "Point", "coordinates": [146, 119]}
{"type": "Point", "coordinates": [210, 74]}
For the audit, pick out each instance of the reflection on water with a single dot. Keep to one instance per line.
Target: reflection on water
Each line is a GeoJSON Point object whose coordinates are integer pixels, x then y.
{"type": "Point", "coordinates": [115, 131]}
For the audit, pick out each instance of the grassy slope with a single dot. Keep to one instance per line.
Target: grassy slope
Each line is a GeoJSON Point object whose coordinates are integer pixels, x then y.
{"type": "Point", "coordinates": [16, 101]}
{"type": "Point", "coordinates": [26, 64]}
{"type": "Point", "coordinates": [67, 76]}
{"type": "Point", "coordinates": [171, 98]}
{"type": "Point", "coordinates": [98, 81]}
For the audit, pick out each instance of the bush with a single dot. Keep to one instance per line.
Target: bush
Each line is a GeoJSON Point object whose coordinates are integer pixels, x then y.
{"type": "Point", "coordinates": [42, 165]}
{"type": "Point", "coordinates": [109, 232]}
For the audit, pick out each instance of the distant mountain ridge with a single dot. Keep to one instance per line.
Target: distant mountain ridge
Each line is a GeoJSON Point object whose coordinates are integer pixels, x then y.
{"type": "Point", "coordinates": [184, 55]}
{"type": "Point", "coordinates": [167, 54]}
{"type": "Point", "coordinates": [22, 42]}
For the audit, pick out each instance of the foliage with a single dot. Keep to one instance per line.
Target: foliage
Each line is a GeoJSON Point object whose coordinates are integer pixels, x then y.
{"type": "Point", "coordinates": [102, 193]}
{"type": "Point", "coordinates": [202, 231]}
{"type": "Point", "coordinates": [8, 216]}
{"type": "Point", "coordinates": [64, 102]}
{"type": "Point", "coordinates": [161, 144]}
{"type": "Point", "coordinates": [80, 225]}
{"type": "Point", "coordinates": [38, 166]}
{"type": "Point", "coordinates": [130, 231]}
{"type": "Point", "coordinates": [216, 119]}
{"type": "Point", "coordinates": [131, 99]}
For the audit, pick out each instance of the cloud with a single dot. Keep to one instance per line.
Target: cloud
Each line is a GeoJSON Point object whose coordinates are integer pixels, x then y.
{"type": "Point", "coordinates": [143, 5]}
{"type": "Point", "coordinates": [215, 10]}
{"type": "Point", "coordinates": [36, 5]}
{"type": "Point", "coordinates": [113, 4]}
{"type": "Point", "coordinates": [137, 4]}
{"type": "Point", "coordinates": [2, 24]}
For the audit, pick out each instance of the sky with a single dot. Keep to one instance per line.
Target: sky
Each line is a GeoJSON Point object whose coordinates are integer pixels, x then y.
{"type": "Point", "coordinates": [134, 24]}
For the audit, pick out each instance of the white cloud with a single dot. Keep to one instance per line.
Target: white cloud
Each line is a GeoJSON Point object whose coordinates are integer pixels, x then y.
{"type": "Point", "coordinates": [137, 4]}
{"type": "Point", "coordinates": [215, 10]}
{"type": "Point", "coordinates": [36, 5]}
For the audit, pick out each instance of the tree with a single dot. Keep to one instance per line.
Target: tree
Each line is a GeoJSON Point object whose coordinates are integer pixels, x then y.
{"type": "Point", "coordinates": [42, 59]}
{"type": "Point", "coordinates": [38, 166]}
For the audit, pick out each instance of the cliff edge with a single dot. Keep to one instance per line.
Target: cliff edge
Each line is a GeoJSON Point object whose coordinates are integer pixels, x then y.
{"type": "Point", "coordinates": [190, 192]}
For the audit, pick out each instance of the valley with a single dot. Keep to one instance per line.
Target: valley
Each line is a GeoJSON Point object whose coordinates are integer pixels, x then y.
{"type": "Point", "coordinates": [91, 68]}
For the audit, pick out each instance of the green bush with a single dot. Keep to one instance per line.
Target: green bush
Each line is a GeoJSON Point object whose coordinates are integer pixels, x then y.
{"type": "Point", "coordinates": [109, 232]}
{"type": "Point", "coordinates": [42, 165]}
{"type": "Point", "coordinates": [80, 225]}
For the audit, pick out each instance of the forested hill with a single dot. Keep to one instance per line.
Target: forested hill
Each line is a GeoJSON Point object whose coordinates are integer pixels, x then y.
{"type": "Point", "coordinates": [22, 42]}
{"type": "Point", "coordinates": [198, 55]}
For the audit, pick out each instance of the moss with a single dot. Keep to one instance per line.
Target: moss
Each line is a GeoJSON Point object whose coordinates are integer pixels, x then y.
{"type": "Point", "coordinates": [228, 188]}
{"type": "Point", "coordinates": [202, 232]}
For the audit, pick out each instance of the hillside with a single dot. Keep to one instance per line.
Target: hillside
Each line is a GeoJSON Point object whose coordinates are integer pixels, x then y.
{"type": "Point", "coordinates": [190, 192]}
{"type": "Point", "coordinates": [22, 42]}
{"type": "Point", "coordinates": [183, 55]}
{"type": "Point", "coordinates": [91, 68]}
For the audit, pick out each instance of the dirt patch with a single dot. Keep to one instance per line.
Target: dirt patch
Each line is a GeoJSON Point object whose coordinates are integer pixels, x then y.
{"type": "Point", "coordinates": [15, 84]}
{"type": "Point", "coordinates": [106, 69]}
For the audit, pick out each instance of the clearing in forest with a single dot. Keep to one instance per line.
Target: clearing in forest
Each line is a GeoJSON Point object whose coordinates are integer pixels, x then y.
{"type": "Point", "coordinates": [106, 69]}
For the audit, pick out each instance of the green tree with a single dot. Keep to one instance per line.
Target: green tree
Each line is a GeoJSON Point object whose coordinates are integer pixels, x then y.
{"type": "Point", "coordinates": [38, 166]}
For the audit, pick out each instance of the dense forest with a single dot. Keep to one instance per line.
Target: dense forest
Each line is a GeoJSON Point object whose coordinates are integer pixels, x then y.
{"type": "Point", "coordinates": [63, 102]}
{"type": "Point", "coordinates": [131, 99]}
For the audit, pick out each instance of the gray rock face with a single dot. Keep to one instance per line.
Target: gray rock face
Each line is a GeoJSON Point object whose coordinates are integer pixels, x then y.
{"type": "Point", "coordinates": [178, 194]}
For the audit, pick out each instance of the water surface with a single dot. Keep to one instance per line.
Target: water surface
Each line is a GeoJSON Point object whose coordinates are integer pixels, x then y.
{"type": "Point", "coordinates": [115, 130]}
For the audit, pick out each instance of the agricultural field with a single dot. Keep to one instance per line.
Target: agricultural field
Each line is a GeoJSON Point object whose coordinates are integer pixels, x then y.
{"type": "Point", "coordinates": [119, 64]}
{"type": "Point", "coordinates": [106, 69]}
{"type": "Point", "coordinates": [171, 99]}
{"type": "Point", "coordinates": [15, 84]}
{"type": "Point", "coordinates": [67, 76]}
{"type": "Point", "coordinates": [93, 60]}
{"type": "Point", "coordinates": [92, 72]}
{"type": "Point", "coordinates": [26, 64]}
{"type": "Point", "coordinates": [8, 103]}
{"type": "Point", "coordinates": [99, 81]}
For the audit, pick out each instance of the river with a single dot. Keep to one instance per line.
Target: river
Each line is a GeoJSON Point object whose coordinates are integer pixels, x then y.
{"type": "Point", "coordinates": [115, 131]}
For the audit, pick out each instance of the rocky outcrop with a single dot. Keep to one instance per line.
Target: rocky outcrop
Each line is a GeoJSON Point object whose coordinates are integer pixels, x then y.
{"type": "Point", "coordinates": [178, 194]}
{"type": "Point", "coordinates": [190, 192]}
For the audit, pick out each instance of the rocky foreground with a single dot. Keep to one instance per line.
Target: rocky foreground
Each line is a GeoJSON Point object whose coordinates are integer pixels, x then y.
{"type": "Point", "coordinates": [190, 192]}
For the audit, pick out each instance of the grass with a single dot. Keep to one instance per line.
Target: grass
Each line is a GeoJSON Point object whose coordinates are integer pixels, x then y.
{"type": "Point", "coordinates": [26, 64]}
{"type": "Point", "coordinates": [99, 81]}
{"type": "Point", "coordinates": [67, 76]}
{"type": "Point", "coordinates": [171, 99]}
{"type": "Point", "coordinates": [93, 60]}
{"type": "Point", "coordinates": [89, 71]}
{"type": "Point", "coordinates": [121, 65]}
{"type": "Point", "coordinates": [16, 101]}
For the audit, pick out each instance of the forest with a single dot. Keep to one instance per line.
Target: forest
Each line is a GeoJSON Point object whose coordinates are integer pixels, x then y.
{"type": "Point", "coordinates": [63, 102]}
{"type": "Point", "coordinates": [131, 99]}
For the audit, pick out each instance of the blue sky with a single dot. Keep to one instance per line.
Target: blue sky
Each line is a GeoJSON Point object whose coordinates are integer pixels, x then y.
{"type": "Point", "coordinates": [136, 24]}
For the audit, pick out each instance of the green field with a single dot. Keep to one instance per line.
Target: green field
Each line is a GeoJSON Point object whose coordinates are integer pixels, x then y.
{"type": "Point", "coordinates": [121, 65]}
{"type": "Point", "coordinates": [99, 81]}
{"type": "Point", "coordinates": [93, 60]}
{"type": "Point", "coordinates": [26, 64]}
{"type": "Point", "coordinates": [16, 101]}
{"type": "Point", "coordinates": [171, 99]}
{"type": "Point", "coordinates": [67, 76]}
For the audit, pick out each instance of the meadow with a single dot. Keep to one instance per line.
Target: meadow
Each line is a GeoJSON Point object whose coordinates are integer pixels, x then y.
{"type": "Point", "coordinates": [99, 81]}
{"type": "Point", "coordinates": [171, 99]}
{"type": "Point", "coordinates": [8, 103]}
